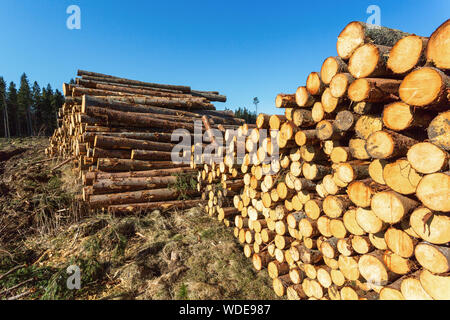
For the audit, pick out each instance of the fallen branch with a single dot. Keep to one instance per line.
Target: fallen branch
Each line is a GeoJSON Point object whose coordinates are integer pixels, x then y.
{"type": "Point", "coordinates": [16, 286]}
{"type": "Point", "coordinates": [62, 163]}
{"type": "Point", "coordinates": [12, 270]}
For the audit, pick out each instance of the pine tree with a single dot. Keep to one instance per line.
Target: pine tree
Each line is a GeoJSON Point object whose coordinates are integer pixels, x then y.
{"type": "Point", "coordinates": [13, 114]}
{"type": "Point", "coordinates": [24, 102]}
{"type": "Point", "coordinates": [47, 112]}
{"type": "Point", "coordinates": [3, 110]}
{"type": "Point", "coordinates": [37, 107]}
{"type": "Point", "coordinates": [57, 102]}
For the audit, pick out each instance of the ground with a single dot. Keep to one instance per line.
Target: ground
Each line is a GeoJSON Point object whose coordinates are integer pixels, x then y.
{"type": "Point", "coordinates": [44, 229]}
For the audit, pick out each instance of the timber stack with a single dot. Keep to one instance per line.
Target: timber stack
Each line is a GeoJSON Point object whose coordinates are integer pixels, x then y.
{"type": "Point", "coordinates": [118, 132]}
{"type": "Point", "coordinates": [347, 196]}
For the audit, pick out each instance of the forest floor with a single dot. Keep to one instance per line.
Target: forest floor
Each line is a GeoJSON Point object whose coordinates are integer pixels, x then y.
{"type": "Point", "coordinates": [44, 229]}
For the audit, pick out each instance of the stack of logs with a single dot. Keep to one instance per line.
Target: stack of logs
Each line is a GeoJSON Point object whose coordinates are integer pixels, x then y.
{"type": "Point", "coordinates": [356, 205]}
{"type": "Point", "coordinates": [118, 132]}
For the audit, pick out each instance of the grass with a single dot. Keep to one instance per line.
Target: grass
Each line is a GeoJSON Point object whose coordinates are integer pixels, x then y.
{"type": "Point", "coordinates": [157, 255]}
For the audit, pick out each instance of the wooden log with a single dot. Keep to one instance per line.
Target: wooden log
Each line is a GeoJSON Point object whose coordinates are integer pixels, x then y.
{"type": "Point", "coordinates": [439, 131]}
{"type": "Point", "coordinates": [431, 227]}
{"type": "Point", "coordinates": [358, 149]}
{"type": "Point", "coordinates": [399, 264]}
{"type": "Point", "coordinates": [335, 206]}
{"type": "Point", "coordinates": [374, 90]}
{"type": "Point", "coordinates": [138, 120]}
{"type": "Point", "coordinates": [372, 269]}
{"type": "Point", "coordinates": [427, 158]}
{"type": "Point", "coordinates": [368, 221]}
{"type": "Point", "coordinates": [400, 242]}
{"type": "Point", "coordinates": [345, 120]}
{"type": "Point", "coordinates": [434, 258]}
{"type": "Point", "coordinates": [156, 195]}
{"type": "Point", "coordinates": [314, 84]}
{"type": "Point", "coordinates": [151, 155]}
{"type": "Point", "coordinates": [330, 103]}
{"type": "Point", "coordinates": [391, 207]}
{"type": "Point", "coordinates": [438, 287]}
{"type": "Point", "coordinates": [303, 118]}
{"type": "Point", "coordinates": [139, 174]}
{"type": "Point", "coordinates": [285, 101]}
{"type": "Point", "coordinates": [437, 47]}
{"type": "Point", "coordinates": [368, 124]}
{"type": "Point", "coordinates": [425, 87]}
{"type": "Point", "coordinates": [387, 144]}
{"type": "Point", "coordinates": [356, 33]}
{"type": "Point", "coordinates": [143, 207]}
{"type": "Point", "coordinates": [340, 155]}
{"type": "Point", "coordinates": [369, 61]}
{"type": "Point", "coordinates": [412, 289]}
{"type": "Point", "coordinates": [117, 165]}
{"type": "Point", "coordinates": [340, 83]}
{"type": "Point", "coordinates": [434, 191]}
{"type": "Point", "coordinates": [376, 168]}
{"type": "Point", "coordinates": [399, 116]}
{"type": "Point", "coordinates": [361, 192]}
{"type": "Point", "coordinates": [406, 54]}
{"type": "Point", "coordinates": [392, 291]}
{"type": "Point", "coordinates": [281, 284]}
{"type": "Point", "coordinates": [401, 177]}
{"type": "Point", "coordinates": [107, 142]}
{"type": "Point", "coordinates": [330, 67]}
{"type": "Point", "coordinates": [110, 79]}
{"type": "Point", "coordinates": [303, 98]}
{"type": "Point", "coordinates": [132, 184]}
{"type": "Point", "coordinates": [362, 244]}
{"type": "Point", "coordinates": [349, 267]}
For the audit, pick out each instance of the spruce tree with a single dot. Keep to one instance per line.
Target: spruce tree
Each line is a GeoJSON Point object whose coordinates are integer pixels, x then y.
{"type": "Point", "coordinates": [37, 107]}
{"type": "Point", "coordinates": [13, 114]}
{"type": "Point", "coordinates": [3, 114]}
{"type": "Point", "coordinates": [24, 101]}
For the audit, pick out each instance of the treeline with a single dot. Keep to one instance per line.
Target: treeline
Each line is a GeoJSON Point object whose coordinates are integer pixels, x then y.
{"type": "Point", "coordinates": [28, 110]}
{"type": "Point", "coordinates": [244, 113]}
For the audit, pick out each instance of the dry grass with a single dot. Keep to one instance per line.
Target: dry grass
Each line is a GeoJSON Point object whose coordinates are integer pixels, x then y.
{"type": "Point", "coordinates": [159, 255]}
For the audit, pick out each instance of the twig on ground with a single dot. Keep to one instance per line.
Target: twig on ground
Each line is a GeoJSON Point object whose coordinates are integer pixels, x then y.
{"type": "Point", "coordinates": [12, 270]}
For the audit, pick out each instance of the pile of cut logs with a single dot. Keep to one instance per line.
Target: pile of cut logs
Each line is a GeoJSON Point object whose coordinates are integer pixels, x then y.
{"type": "Point", "coordinates": [118, 132]}
{"type": "Point", "coordinates": [348, 194]}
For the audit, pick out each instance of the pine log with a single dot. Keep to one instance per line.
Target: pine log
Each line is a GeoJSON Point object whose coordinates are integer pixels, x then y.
{"type": "Point", "coordinates": [399, 116]}
{"type": "Point", "coordinates": [330, 67]}
{"type": "Point", "coordinates": [374, 90]}
{"type": "Point", "coordinates": [391, 207]}
{"type": "Point", "coordinates": [439, 131]}
{"type": "Point", "coordinates": [369, 61]}
{"type": "Point", "coordinates": [438, 47]}
{"type": "Point", "coordinates": [349, 267]}
{"type": "Point", "coordinates": [357, 33]}
{"type": "Point", "coordinates": [434, 258]}
{"type": "Point", "coordinates": [335, 206]}
{"type": "Point", "coordinates": [358, 149]}
{"type": "Point", "coordinates": [401, 177]}
{"type": "Point", "coordinates": [117, 165]}
{"type": "Point", "coordinates": [303, 98]}
{"type": "Point", "coordinates": [107, 142]}
{"type": "Point", "coordinates": [285, 101]}
{"type": "Point", "coordinates": [314, 84]}
{"type": "Point", "coordinates": [412, 289]}
{"type": "Point", "coordinates": [438, 287]}
{"type": "Point", "coordinates": [434, 191]}
{"type": "Point", "coordinates": [362, 244]}
{"type": "Point", "coordinates": [368, 221]}
{"type": "Point", "coordinates": [142, 207]}
{"type": "Point", "coordinates": [400, 242]}
{"type": "Point", "coordinates": [367, 124]}
{"type": "Point", "coordinates": [425, 87]}
{"type": "Point", "coordinates": [399, 264]}
{"type": "Point", "coordinates": [132, 184]}
{"type": "Point", "coordinates": [387, 144]}
{"type": "Point", "coordinates": [431, 227]}
{"type": "Point", "coordinates": [345, 120]}
{"type": "Point", "coordinates": [156, 195]}
{"type": "Point", "coordinates": [406, 54]}
{"type": "Point", "coordinates": [340, 83]}
{"type": "Point", "coordinates": [427, 158]}
{"type": "Point", "coordinates": [372, 268]}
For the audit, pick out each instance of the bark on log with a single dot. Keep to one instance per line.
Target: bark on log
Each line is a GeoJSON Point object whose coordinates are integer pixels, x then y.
{"type": "Point", "coordinates": [439, 131]}
{"type": "Point", "coordinates": [374, 90]}
{"type": "Point", "coordinates": [357, 33]}
{"type": "Point", "coordinates": [387, 144]}
{"type": "Point", "coordinates": [117, 165]}
{"type": "Point", "coordinates": [142, 207]}
{"type": "Point", "coordinates": [425, 87]}
{"type": "Point", "coordinates": [438, 47]}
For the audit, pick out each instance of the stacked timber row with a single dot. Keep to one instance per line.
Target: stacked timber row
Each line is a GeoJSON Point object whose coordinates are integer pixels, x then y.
{"type": "Point", "coordinates": [357, 205]}
{"type": "Point", "coordinates": [118, 132]}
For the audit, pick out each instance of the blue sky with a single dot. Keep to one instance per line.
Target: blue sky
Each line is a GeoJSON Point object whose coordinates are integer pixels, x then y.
{"type": "Point", "coordinates": [241, 48]}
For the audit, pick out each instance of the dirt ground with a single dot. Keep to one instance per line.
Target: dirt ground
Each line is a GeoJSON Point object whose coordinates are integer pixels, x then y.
{"type": "Point", "coordinates": [159, 255]}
